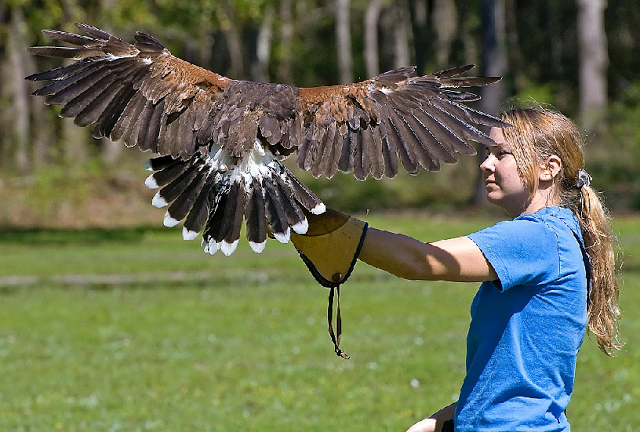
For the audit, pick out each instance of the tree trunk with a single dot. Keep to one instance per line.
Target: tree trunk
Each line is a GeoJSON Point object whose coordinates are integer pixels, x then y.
{"type": "Point", "coordinates": [401, 34]}
{"type": "Point", "coordinates": [42, 135]}
{"type": "Point", "coordinates": [445, 22]}
{"type": "Point", "coordinates": [593, 59]}
{"type": "Point", "coordinates": [421, 34]}
{"type": "Point", "coordinates": [17, 52]}
{"type": "Point", "coordinates": [494, 63]}
{"type": "Point", "coordinates": [286, 42]}
{"type": "Point", "coordinates": [234, 43]}
{"type": "Point", "coordinates": [371, 19]}
{"type": "Point", "coordinates": [343, 41]}
{"type": "Point", "coordinates": [517, 63]}
{"type": "Point", "coordinates": [260, 70]}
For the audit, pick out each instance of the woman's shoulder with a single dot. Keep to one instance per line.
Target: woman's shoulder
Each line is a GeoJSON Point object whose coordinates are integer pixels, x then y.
{"type": "Point", "coordinates": [529, 248]}
{"type": "Point", "coordinates": [543, 229]}
{"type": "Point", "coordinates": [549, 212]}
{"type": "Point", "coordinates": [560, 220]}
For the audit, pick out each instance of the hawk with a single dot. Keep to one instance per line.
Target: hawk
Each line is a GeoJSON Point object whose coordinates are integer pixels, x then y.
{"type": "Point", "coordinates": [220, 142]}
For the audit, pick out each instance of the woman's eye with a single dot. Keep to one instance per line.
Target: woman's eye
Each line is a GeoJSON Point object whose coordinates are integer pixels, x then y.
{"type": "Point", "coordinates": [496, 152]}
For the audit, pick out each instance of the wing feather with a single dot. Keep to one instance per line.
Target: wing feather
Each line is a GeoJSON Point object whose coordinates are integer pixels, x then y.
{"type": "Point", "coordinates": [372, 152]}
{"type": "Point", "coordinates": [398, 139]}
{"type": "Point", "coordinates": [153, 84]}
{"type": "Point", "coordinates": [391, 106]}
{"type": "Point", "coordinates": [141, 133]}
{"type": "Point", "coordinates": [447, 133]}
{"type": "Point", "coordinates": [330, 148]}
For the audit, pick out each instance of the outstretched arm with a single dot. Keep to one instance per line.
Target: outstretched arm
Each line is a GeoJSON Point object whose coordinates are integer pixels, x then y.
{"type": "Point", "coordinates": [457, 259]}
{"type": "Point", "coordinates": [333, 241]}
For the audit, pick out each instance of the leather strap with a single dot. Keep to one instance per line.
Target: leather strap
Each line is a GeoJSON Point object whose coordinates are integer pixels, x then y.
{"type": "Point", "coordinates": [335, 336]}
{"type": "Point", "coordinates": [334, 291]}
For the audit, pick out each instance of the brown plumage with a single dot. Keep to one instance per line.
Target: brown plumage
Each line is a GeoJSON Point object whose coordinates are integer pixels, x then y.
{"type": "Point", "coordinates": [220, 141]}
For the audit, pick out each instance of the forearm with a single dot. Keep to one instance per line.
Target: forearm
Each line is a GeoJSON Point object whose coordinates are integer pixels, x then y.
{"type": "Point", "coordinates": [457, 259]}
{"type": "Point", "coordinates": [397, 254]}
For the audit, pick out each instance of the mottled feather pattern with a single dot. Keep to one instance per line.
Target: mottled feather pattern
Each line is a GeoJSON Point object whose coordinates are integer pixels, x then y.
{"type": "Point", "coordinates": [219, 142]}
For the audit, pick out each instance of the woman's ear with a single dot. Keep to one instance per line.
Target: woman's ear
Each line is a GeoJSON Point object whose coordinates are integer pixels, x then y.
{"type": "Point", "coordinates": [550, 168]}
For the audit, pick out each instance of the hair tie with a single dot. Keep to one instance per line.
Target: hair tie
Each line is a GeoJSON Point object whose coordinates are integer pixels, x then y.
{"type": "Point", "coordinates": [582, 179]}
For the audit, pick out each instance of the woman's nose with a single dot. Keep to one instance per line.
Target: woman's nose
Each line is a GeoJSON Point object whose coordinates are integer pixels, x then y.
{"type": "Point", "coordinates": [487, 164]}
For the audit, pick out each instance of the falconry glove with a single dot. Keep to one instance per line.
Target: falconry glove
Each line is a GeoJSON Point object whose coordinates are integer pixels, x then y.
{"type": "Point", "coordinates": [331, 246]}
{"type": "Point", "coordinates": [330, 249]}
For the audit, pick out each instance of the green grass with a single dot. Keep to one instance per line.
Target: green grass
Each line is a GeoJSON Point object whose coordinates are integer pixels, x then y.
{"type": "Point", "coordinates": [181, 341]}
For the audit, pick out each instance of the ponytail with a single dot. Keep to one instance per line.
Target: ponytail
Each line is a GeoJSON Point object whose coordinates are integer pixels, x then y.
{"type": "Point", "coordinates": [602, 309]}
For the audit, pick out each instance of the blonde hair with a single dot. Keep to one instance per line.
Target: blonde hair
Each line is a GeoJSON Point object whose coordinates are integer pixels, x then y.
{"type": "Point", "coordinates": [534, 135]}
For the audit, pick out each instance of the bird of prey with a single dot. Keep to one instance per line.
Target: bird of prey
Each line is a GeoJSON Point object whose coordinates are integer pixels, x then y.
{"type": "Point", "coordinates": [220, 142]}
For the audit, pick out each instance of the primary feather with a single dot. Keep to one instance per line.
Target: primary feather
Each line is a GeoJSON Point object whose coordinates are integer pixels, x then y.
{"type": "Point", "coordinates": [220, 141]}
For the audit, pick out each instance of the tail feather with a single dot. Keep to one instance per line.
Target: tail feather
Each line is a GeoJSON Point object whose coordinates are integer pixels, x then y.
{"type": "Point", "coordinates": [211, 236]}
{"type": "Point", "coordinates": [233, 215]}
{"type": "Point", "coordinates": [159, 163]}
{"type": "Point", "coordinates": [293, 214]}
{"type": "Point", "coordinates": [169, 178]}
{"type": "Point", "coordinates": [302, 194]}
{"type": "Point", "coordinates": [183, 204]}
{"type": "Point", "coordinates": [171, 190]}
{"type": "Point", "coordinates": [275, 213]}
{"type": "Point", "coordinates": [217, 193]}
{"type": "Point", "coordinates": [255, 216]}
{"type": "Point", "coordinates": [199, 213]}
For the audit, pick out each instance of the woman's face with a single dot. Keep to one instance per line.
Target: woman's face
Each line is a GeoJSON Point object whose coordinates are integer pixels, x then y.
{"type": "Point", "coordinates": [502, 181]}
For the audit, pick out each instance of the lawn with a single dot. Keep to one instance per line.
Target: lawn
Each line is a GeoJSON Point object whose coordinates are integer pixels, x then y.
{"type": "Point", "coordinates": [136, 330]}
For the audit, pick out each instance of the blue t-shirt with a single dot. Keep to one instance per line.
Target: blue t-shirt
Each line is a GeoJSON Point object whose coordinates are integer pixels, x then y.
{"type": "Point", "coordinates": [526, 327]}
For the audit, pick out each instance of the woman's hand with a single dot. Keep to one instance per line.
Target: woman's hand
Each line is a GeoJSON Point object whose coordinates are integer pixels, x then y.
{"type": "Point", "coordinates": [426, 425]}
{"type": "Point", "coordinates": [435, 422]}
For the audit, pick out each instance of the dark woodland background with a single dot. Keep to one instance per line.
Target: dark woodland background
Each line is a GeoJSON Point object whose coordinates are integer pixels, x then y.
{"type": "Point", "coordinates": [581, 57]}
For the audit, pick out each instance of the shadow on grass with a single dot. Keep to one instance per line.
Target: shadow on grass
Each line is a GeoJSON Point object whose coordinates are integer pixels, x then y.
{"type": "Point", "coordinates": [75, 236]}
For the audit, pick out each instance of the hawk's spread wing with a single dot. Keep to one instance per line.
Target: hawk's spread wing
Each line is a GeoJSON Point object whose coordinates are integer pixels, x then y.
{"type": "Point", "coordinates": [366, 127]}
{"type": "Point", "coordinates": [220, 141]}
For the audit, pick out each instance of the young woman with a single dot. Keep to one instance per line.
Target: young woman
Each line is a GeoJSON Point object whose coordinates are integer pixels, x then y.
{"type": "Point", "coordinates": [547, 275]}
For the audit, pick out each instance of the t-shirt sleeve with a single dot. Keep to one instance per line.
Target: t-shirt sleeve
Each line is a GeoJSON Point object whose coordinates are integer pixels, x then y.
{"type": "Point", "coordinates": [521, 251]}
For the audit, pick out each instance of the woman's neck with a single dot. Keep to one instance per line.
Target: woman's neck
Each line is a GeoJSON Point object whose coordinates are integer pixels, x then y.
{"type": "Point", "coordinates": [541, 198]}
